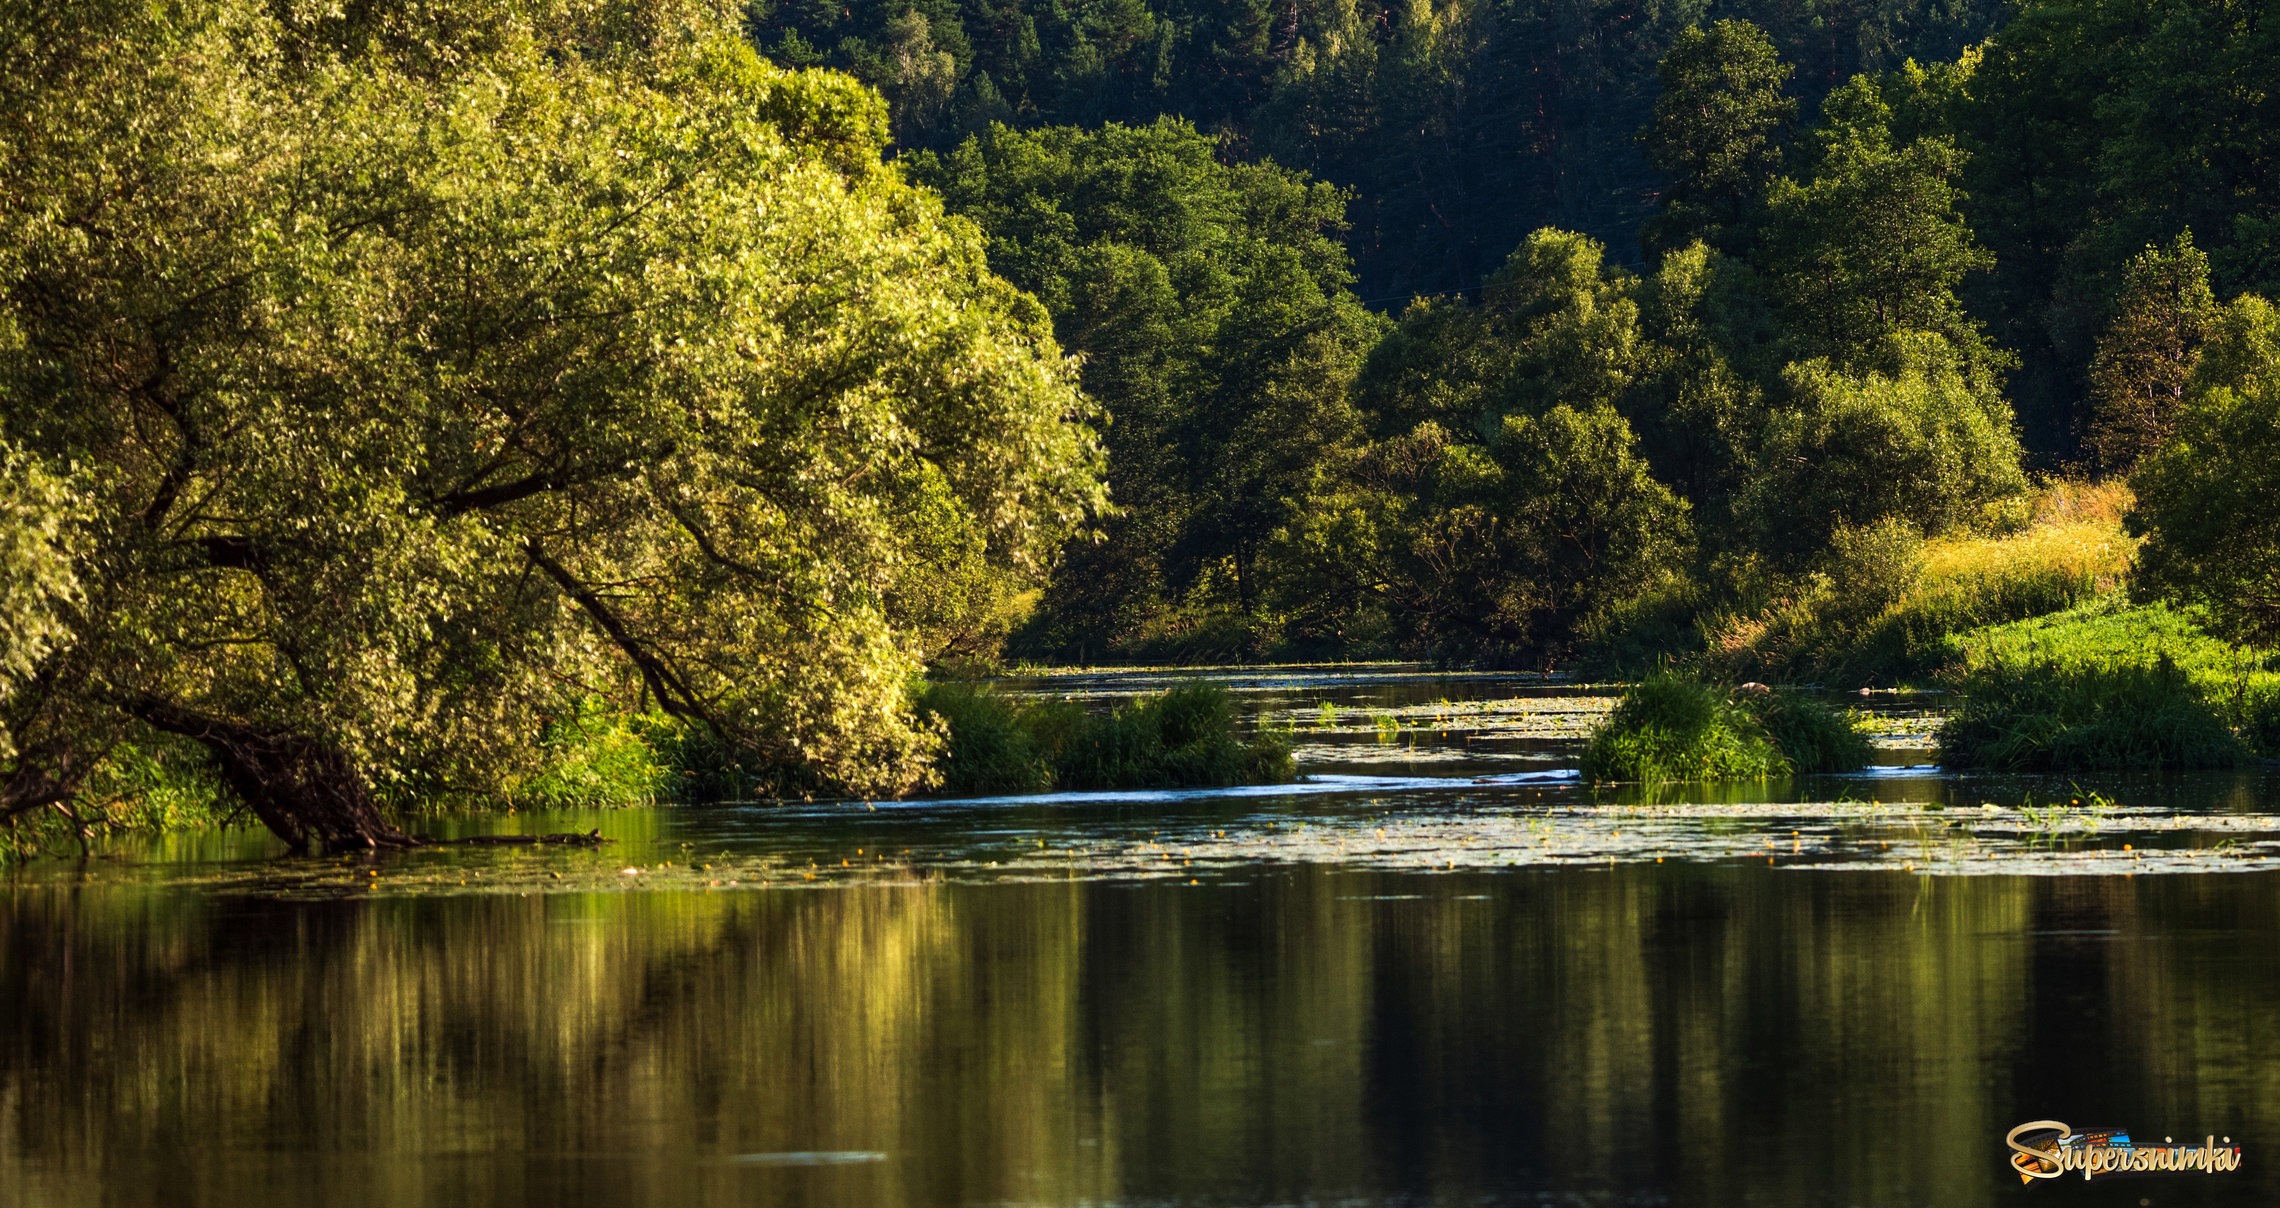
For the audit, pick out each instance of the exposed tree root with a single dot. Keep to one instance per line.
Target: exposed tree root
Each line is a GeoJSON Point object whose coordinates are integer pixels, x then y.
{"type": "Point", "coordinates": [305, 790]}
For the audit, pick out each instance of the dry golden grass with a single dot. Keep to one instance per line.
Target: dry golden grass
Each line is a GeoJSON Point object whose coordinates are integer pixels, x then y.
{"type": "Point", "coordinates": [2069, 501]}
{"type": "Point", "coordinates": [2077, 532]}
{"type": "Point", "coordinates": [2073, 549]}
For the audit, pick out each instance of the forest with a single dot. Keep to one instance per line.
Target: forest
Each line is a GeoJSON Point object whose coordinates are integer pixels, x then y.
{"type": "Point", "coordinates": [521, 400]}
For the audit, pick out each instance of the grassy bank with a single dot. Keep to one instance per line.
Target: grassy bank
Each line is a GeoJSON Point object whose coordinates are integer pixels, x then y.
{"type": "Point", "coordinates": [1185, 737]}
{"type": "Point", "coordinates": [2111, 685]}
{"type": "Point", "coordinates": [1672, 728]}
{"type": "Point", "coordinates": [1887, 608]}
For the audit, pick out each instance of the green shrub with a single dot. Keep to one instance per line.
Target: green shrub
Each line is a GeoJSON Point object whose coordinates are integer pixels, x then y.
{"type": "Point", "coordinates": [993, 741]}
{"type": "Point", "coordinates": [599, 757]}
{"type": "Point", "coordinates": [1185, 737]}
{"type": "Point", "coordinates": [2205, 497]}
{"type": "Point", "coordinates": [1671, 728]}
{"type": "Point", "coordinates": [2260, 717]}
{"type": "Point", "coordinates": [1811, 735]}
{"type": "Point", "coordinates": [2051, 716]}
{"type": "Point", "coordinates": [158, 782]}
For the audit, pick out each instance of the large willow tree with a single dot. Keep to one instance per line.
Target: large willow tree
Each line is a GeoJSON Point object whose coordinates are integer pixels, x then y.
{"type": "Point", "coordinates": [379, 378]}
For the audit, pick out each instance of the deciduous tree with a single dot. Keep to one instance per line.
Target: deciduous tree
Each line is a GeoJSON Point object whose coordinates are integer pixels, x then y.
{"type": "Point", "coordinates": [425, 369]}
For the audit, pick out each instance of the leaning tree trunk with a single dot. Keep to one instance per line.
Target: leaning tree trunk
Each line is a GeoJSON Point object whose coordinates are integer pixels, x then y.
{"type": "Point", "coordinates": [305, 790]}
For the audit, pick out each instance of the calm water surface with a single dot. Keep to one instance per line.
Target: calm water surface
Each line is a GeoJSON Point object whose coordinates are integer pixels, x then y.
{"type": "Point", "coordinates": [1440, 973]}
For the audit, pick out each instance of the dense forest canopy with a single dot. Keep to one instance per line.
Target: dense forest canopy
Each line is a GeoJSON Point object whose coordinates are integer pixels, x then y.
{"type": "Point", "coordinates": [2081, 132]}
{"type": "Point", "coordinates": [1853, 268]}
{"type": "Point", "coordinates": [1461, 125]}
{"type": "Point", "coordinates": [1213, 307]}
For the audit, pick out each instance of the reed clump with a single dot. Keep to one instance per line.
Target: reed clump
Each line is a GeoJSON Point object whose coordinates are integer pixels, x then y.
{"type": "Point", "coordinates": [1187, 737]}
{"type": "Point", "coordinates": [1812, 736]}
{"type": "Point", "coordinates": [1669, 727]}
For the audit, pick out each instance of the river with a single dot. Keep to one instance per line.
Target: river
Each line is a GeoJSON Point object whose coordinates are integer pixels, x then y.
{"type": "Point", "coordinates": [1439, 972]}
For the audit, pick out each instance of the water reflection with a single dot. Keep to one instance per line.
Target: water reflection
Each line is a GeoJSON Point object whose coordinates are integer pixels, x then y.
{"type": "Point", "coordinates": [1645, 1033]}
{"type": "Point", "coordinates": [1444, 972]}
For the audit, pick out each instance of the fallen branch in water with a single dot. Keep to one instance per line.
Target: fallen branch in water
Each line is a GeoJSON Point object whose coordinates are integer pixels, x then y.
{"type": "Point", "coordinates": [592, 838]}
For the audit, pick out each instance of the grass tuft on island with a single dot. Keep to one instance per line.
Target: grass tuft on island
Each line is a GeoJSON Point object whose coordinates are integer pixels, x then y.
{"type": "Point", "coordinates": [1669, 727]}
{"type": "Point", "coordinates": [1185, 737]}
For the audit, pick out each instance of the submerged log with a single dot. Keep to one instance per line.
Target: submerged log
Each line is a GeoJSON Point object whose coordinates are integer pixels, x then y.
{"type": "Point", "coordinates": [592, 838]}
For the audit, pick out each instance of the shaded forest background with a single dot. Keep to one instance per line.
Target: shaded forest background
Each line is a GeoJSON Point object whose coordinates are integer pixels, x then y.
{"type": "Point", "coordinates": [2007, 163]}
{"type": "Point", "coordinates": [1457, 128]}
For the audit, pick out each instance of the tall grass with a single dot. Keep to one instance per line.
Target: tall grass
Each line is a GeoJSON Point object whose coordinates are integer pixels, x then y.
{"type": "Point", "coordinates": [2072, 669]}
{"type": "Point", "coordinates": [2048, 716]}
{"type": "Point", "coordinates": [1886, 608]}
{"type": "Point", "coordinates": [994, 742]}
{"type": "Point", "coordinates": [1669, 727]}
{"type": "Point", "coordinates": [1185, 737]}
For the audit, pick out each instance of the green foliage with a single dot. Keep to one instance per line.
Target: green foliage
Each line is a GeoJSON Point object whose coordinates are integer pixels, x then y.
{"type": "Point", "coordinates": [1186, 736]}
{"type": "Point", "coordinates": [439, 366]}
{"type": "Point", "coordinates": [158, 783]}
{"type": "Point", "coordinates": [1554, 325]}
{"type": "Point", "coordinates": [2100, 130]}
{"type": "Point", "coordinates": [2054, 717]}
{"type": "Point", "coordinates": [39, 582]}
{"type": "Point", "coordinates": [995, 743]}
{"type": "Point", "coordinates": [1882, 607]}
{"type": "Point", "coordinates": [1828, 635]}
{"type": "Point", "coordinates": [1495, 551]}
{"type": "Point", "coordinates": [597, 757]}
{"type": "Point", "coordinates": [1928, 444]}
{"type": "Point", "coordinates": [1183, 737]}
{"type": "Point", "coordinates": [1871, 244]}
{"type": "Point", "coordinates": [2145, 361]}
{"type": "Point", "coordinates": [2105, 633]}
{"type": "Point", "coordinates": [1211, 303]}
{"type": "Point", "coordinates": [1718, 130]}
{"type": "Point", "coordinates": [2205, 498]}
{"type": "Point", "coordinates": [1671, 728]}
{"type": "Point", "coordinates": [2241, 686]}
{"type": "Point", "coordinates": [1504, 503]}
{"type": "Point", "coordinates": [1461, 127]}
{"type": "Point", "coordinates": [1812, 736]}
{"type": "Point", "coordinates": [153, 784]}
